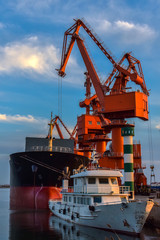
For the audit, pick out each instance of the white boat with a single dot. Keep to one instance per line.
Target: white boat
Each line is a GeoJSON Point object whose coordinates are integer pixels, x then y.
{"type": "Point", "coordinates": [98, 201]}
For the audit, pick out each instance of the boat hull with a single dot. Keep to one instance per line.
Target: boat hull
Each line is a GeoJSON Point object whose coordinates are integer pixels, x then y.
{"type": "Point", "coordinates": [127, 218]}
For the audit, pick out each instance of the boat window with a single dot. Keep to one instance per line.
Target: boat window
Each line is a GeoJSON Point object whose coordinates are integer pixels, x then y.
{"type": "Point", "coordinates": [91, 180]}
{"type": "Point", "coordinates": [103, 180]}
{"type": "Point", "coordinates": [65, 198]}
{"type": "Point", "coordinates": [78, 200]}
{"type": "Point", "coordinates": [114, 181]}
{"type": "Point", "coordinates": [84, 181]}
{"type": "Point", "coordinates": [81, 200]}
{"type": "Point", "coordinates": [97, 199]}
{"type": "Point", "coordinates": [98, 123]}
{"type": "Point", "coordinates": [74, 199]}
{"type": "Point", "coordinates": [70, 199]}
{"type": "Point", "coordinates": [88, 201]}
{"type": "Point", "coordinates": [75, 181]}
{"type": "Point", "coordinates": [85, 202]}
{"type": "Point", "coordinates": [90, 122]}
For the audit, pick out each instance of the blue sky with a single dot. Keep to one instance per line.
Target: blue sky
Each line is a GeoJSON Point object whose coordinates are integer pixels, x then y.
{"type": "Point", "coordinates": [30, 51]}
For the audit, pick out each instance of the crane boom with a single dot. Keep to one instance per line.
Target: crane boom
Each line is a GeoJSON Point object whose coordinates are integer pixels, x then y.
{"type": "Point", "coordinates": [91, 70]}
{"type": "Point", "coordinates": [119, 103]}
{"type": "Point", "coordinates": [66, 51]}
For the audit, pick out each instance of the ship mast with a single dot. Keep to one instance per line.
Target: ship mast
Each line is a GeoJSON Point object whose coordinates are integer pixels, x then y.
{"type": "Point", "coordinates": [50, 134]}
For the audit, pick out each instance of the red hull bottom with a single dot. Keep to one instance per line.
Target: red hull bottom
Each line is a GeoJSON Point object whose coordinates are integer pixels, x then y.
{"type": "Point", "coordinates": [33, 197]}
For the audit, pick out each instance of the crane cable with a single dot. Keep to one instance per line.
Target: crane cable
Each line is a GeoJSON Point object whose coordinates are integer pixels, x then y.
{"type": "Point", "coordinates": [150, 142]}
{"type": "Point", "coordinates": [60, 97]}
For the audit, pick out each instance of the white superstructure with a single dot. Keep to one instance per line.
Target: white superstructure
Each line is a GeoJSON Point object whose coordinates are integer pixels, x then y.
{"type": "Point", "coordinates": [97, 200]}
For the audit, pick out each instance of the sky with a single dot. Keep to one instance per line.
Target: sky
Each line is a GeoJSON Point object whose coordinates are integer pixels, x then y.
{"type": "Point", "coordinates": [30, 51]}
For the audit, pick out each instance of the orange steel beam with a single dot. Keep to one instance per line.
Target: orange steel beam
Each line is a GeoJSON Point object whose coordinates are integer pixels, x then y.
{"type": "Point", "coordinates": [87, 101]}
{"type": "Point", "coordinates": [66, 55]}
{"type": "Point", "coordinates": [70, 134]}
{"type": "Point", "coordinates": [91, 70]}
{"type": "Point", "coordinates": [74, 131]}
{"type": "Point", "coordinates": [54, 120]}
{"type": "Point", "coordinates": [59, 131]}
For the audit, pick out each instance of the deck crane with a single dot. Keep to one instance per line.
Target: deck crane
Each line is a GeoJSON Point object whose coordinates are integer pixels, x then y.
{"type": "Point", "coordinates": [53, 122]}
{"type": "Point", "coordinates": [114, 101]}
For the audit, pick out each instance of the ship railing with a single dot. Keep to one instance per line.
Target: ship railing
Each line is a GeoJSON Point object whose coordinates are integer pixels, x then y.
{"type": "Point", "coordinates": [54, 149]}
{"type": "Point", "coordinates": [115, 154]}
{"type": "Point", "coordinates": [124, 189]}
{"type": "Point", "coordinates": [139, 166]}
{"type": "Point", "coordinates": [61, 149]}
{"type": "Point", "coordinates": [136, 154]}
{"type": "Point", "coordinates": [136, 142]}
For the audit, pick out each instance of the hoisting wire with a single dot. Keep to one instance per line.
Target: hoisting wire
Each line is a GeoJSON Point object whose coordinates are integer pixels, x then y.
{"type": "Point", "coordinates": [150, 142]}
{"type": "Point", "coordinates": [60, 97]}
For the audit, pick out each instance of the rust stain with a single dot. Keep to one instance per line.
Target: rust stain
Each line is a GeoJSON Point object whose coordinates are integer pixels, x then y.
{"type": "Point", "coordinates": [126, 224]}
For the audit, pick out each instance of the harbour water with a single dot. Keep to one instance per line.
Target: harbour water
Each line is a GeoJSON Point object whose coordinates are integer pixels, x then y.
{"type": "Point", "coordinates": [38, 225]}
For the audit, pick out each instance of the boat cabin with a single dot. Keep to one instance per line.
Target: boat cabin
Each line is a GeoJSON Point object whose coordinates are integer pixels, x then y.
{"type": "Point", "coordinates": [96, 186]}
{"type": "Point", "coordinates": [96, 181]}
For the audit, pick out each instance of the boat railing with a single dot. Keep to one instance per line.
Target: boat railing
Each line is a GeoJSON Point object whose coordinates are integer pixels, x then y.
{"type": "Point", "coordinates": [108, 203]}
{"type": "Point", "coordinates": [98, 189]}
{"type": "Point", "coordinates": [69, 190]}
{"type": "Point", "coordinates": [54, 149]}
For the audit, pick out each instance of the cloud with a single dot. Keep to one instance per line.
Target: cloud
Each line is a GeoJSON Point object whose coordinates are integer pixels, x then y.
{"type": "Point", "coordinates": [128, 32]}
{"type": "Point", "coordinates": [29, 55]}
{"type": "Point", "coordinates": [37, 60]}
{"type": "Point", "coordinates": [38, 121]}
{"type": "Point", "coordinates": [17, 118]}
{"type": "Point", "coordinates": [154, 122]}
{"type": "Point", "coordinates": [29, 6]}
{"type": "Point", "coordinates": [158, 126]}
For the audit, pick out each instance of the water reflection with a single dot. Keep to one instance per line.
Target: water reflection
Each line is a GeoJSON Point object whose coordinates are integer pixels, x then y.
{"type": "Point", "coordinates": [71, 231]}
{"type": "Point", "coordinates": [41, 225]}
{"type": "Point", "coordinates": [31, 225]}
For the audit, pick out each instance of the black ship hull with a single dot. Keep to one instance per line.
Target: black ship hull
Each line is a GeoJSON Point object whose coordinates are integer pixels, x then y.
{"type": "Point", "coordinates": [36, 177]}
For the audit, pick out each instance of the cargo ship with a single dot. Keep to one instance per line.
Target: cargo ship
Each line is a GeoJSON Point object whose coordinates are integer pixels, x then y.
{"type": "Point", "coordinates": [36, 174]}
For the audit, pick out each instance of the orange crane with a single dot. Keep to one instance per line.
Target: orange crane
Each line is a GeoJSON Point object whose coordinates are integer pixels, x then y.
{"type": "Point", "coordinates": [111, 101]}
{"type": "Point", "coordinates": [134, 98]}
